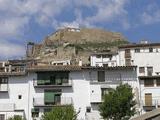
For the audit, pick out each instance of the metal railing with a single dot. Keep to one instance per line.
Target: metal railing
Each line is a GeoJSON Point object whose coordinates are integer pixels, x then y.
{"type": "Point", "coordinates": [39, 101]}
{"type": "Point", "coordinates": [154, 102]}
{"type": "Point", "coordinates": [69, 83]}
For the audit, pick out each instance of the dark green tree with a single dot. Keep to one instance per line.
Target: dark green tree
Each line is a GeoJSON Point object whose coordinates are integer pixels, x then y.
{"type": "Point", "coordinates": [16, 117]}
{"type": "Point", "coordinates": [119, 104]}
{"type": "Point", "coordinates": [61, 113]}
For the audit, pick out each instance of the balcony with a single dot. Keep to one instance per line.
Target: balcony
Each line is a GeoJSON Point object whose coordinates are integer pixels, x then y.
{"type": "Point", "coordinates": [7, 107]}
{"type": "Point", "coordinates": [4, 87]}
{"type": "Point", "coordinates": [149, 105]}
{"type": "Point", "coordinates": [107, 81]}
{"type": "Point", "coordinates": [127, 55]}
{"type": "Point", "coordinates": [61, 101]}
{"type": "Point", "coordinates": [48, 83]}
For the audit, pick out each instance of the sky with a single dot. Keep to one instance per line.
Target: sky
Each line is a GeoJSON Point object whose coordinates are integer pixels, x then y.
{"type": "Point", "coordinates": [22, 21]}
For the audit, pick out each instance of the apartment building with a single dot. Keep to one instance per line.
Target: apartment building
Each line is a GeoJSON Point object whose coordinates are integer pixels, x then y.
{"type": "Point", "coordinates": [146, 56]}
{"type": "Point", "coordinates": [104, 59]}
{"type": "Point", "coordinates": [38, 89]}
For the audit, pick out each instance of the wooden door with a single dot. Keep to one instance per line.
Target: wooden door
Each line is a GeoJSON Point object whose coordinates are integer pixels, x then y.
{"type": "Point", "coordinates": [148, 99]}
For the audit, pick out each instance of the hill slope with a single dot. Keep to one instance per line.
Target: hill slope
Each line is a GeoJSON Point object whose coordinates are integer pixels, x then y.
{"type": "Point", "coordinates": [74, 44]}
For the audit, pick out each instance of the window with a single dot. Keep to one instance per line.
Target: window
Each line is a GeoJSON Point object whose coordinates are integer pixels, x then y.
{"type": "Point", "coordinates": [52, 97]}
{"type": "Point", "coordinates": [158, 81]}
{"type": "Point", "coordinates": [104, 56]}
{"type": "Point", "coordinates": [137, 50]}
{"type": "Point", "coordinates": [19, 96]}
{"type": "Point", "coordinates": [157, 50]}
{"type": "Point", "coordinates": [149, 71]}
{"type": "Point", "coordinates": [88, 109]}
{"type": "Point", "coordinates": [150, 49]}
{"type": "Point", "coordinates": [98, 56]}
{"type": "Point", "coordinates": [141, 70]}
{"type": "Point", "coordinates": [35, 112]}
{"type": "Point", "coordinates": [105, 65]}
{"type": "Point", "coordinates": [128, 62]}
{"type": "Point", "coordinates": [127, 51]}
{"type": "Point", "coordinates": [101, 76]}
{"type": "Point", "coordinates": [2, 116]}
{"type": "Point", "coordinates": [3, 80]}
{"type": "Point", "coordinates": [52, 78]}
{"type": "Point", "coordinates": [148, 82]}
{"type": "Point", "coordinates": [105, 91]}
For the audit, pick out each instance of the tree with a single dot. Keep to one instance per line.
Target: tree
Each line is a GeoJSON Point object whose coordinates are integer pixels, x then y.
{"type": "Point", "coordinates": [61, 113]}
{"type": "Point", "coordinates": [16, 117]}
{"type": "Point", "coordinates": [118, 104]}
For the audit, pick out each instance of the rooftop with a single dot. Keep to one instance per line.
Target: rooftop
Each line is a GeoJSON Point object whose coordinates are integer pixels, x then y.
{"type": "Point", "coordinates": [75, 68]}
{"type": "Point", "coordinates": [105, 53]}
{"type": "Point", "coordinates": [139, 45]}
{"type": "Point", "coordinates": [149, 77]}
{"type": "Point", "coordinates": [12, 74]}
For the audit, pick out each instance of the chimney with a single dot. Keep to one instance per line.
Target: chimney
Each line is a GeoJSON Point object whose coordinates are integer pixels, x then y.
{"type": "Point", "coordinates": [10, 68]}
{"type": "Point", "coordinates": [3, 64]}
{"type": "Point", "coordinates": [80, 62]}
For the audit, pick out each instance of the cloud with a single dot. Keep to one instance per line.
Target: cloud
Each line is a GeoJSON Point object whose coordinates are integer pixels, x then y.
{"type": "Point", "coordinates": [16, 16]}
{"type": "Point", "coordinates": [151, 14]}
{"type": "Point", "coordinates": [108, 11]}
{"type": "Point", "coordinates": [12, 27]}
{"type": "Point", "coordinates": [105, 11]}
{"type": "Point", "coordinates": [151, 18]}
{"type": "Point", "coordinates": [9, 50]}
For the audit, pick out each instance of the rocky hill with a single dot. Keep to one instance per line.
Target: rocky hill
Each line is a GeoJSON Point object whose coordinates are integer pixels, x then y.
{"type": "Point", "coordinates": [74, 44]}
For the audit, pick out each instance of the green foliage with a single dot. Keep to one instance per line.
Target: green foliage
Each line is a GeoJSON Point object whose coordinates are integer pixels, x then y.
{"type": "Point", "coordinates": [61, 113]}
{"type": "Point", "coordinates": [16, 117]}
{"type": "Point", "coordinates": [118, 104]}
{"type": "Point", "coordinates": [97, 46]}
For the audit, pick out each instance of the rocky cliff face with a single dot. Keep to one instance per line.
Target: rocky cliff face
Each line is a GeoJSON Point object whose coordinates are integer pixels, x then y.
{"type": "Point", "coordinates": [74, 44]}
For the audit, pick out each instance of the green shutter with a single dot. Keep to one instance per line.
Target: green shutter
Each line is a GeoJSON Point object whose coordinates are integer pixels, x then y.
{"type": "Point", "coordinates": [58, 80]}
{"type": "Point", "coordinates": [49, 97]}
{"type": "Point", "coordinates": [40, 82]}
{"type": "Point", "coordinates": [34, 110]}
{"type": "Point", "coordinates": [47, 81]}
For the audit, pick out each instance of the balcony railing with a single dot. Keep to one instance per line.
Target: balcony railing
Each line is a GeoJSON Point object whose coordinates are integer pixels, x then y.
{"type": "Point", "coordinates": [108, 81]}
{"type": "Point", "coordinates": [39, 101]}
{"type": "Point", "coordinates": [127, 55]}
{"type": "Point", "coordinates": [150, 103]}
{"type": "Point", "coordinates": [4, 87]}
{"type": "Point", "coordinates": [48, 83]}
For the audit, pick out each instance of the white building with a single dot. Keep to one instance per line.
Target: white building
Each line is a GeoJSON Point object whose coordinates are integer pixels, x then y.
{"type": "Point", "coordinates": [146, 57]}
{"type": "Point", "coordinates": [40, 88]}
{"type": "Point", "coordinates": [104, 59]}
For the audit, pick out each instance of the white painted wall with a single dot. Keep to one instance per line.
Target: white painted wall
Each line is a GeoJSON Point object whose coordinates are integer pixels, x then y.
{"type": "Point", "coordinates": [85, 91]}
{"type": "Point", "coordinates": [95, 61]}
{"type": "Point", "coordinates": [155, 90]}
{"type": "Point", "coordinates": [144, 59]}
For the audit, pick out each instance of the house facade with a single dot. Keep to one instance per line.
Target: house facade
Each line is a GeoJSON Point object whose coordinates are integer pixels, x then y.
{"type": "Point", "coordinates": [104, 59]}
{"type": "Point", "coordinates": [146, 56]}
{"type": "Point", "coordinates": [41, 88]}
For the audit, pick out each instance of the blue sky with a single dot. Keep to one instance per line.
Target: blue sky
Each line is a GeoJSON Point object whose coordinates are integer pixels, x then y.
{"type": "Point", "coordinates": [32, 20]}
